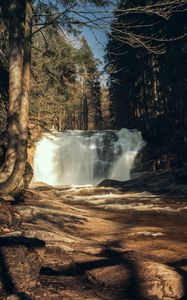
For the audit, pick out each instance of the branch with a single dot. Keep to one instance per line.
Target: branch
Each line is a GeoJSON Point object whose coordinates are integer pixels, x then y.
{"type": "Point", "coordinates": [54, 19]}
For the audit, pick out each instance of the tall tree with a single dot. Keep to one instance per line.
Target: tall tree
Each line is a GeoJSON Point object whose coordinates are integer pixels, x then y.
{"type": "Point", "coordinates": [63, 14]}
{"type": "Point", "coordinates": [20, 32]}
{"type": "Point", "coordinates": [91, 102]}
{"type": "Point", "coordinates": [147, 88]}
{"type": "Point", "coordinates": [19, 85]}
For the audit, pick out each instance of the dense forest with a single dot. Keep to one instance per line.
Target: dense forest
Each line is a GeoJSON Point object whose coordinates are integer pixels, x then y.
{"type": "Point", "coordinates": [70, 95]}
{"type": "Point", "coordinates": [148, 85]}
{"type": "Point", "coordinates": [93, 151]}
{"type": "Point", "coordinates": [145, 60]}
{"type": "Point", "coordinates": [69, 98]}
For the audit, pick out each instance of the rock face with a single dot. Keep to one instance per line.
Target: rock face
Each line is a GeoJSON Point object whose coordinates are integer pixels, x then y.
{"type": "Point", "coordinates": [20, 264]}
{"type": "Point", "coordinates": [155, 182]}
{"type": "Point", "coordinates": [36, 130]}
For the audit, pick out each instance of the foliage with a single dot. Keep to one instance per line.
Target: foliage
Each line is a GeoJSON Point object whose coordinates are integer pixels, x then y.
{"type": "Point", "coordinates": [69, 74]}
{"type": "Point", "coordinates": [148, 91]}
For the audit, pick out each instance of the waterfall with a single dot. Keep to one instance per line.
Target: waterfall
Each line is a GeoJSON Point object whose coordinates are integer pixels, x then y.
{"type": "Point", "coordinates": [78, 157]}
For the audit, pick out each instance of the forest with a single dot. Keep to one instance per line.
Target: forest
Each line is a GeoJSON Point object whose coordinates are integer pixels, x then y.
{"type": "Point", "coordinates": [147, 85]}
{"type": "Point", "coordinates": [93, 164]}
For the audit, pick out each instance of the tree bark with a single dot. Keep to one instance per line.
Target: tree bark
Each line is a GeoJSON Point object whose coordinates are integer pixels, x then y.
{"type": "Point", "coordinates": [15, 78]}
{"type": "Point", "coordinates": [12, 182]}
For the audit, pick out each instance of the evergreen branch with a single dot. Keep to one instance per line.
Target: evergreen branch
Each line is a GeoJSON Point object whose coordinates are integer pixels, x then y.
{"type": "Point", "coordinates": [54, 19]}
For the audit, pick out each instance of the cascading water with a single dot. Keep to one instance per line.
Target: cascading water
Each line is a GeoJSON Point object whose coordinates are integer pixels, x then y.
{"type": "Point", "coordinates": [78, 158]}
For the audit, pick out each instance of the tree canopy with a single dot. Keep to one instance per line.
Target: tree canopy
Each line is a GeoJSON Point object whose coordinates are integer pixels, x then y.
{"type": "Point", "coordinates": [65, 78]}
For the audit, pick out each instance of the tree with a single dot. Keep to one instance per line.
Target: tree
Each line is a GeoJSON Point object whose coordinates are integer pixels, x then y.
{"type": "Point", "coordinates": [148, 89]}
{"type": "Point", "coordinates": [91, 98]}
{"type": "Point", "coordinates": [20, 32]}
{"type": "Point", "coordinates": [19, 84]}
{"type": "Point", "coordinates": [63, 14]}
{"type": "Point", "coordinates": [71, 88]}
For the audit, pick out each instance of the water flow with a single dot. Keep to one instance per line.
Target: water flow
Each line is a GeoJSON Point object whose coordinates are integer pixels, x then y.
{"type": "Point", "coordinates": [78, 158]}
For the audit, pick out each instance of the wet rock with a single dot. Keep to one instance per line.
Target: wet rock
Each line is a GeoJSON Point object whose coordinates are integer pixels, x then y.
{"type": "Point", "coordinates": [20, 262]}
{"type": "Point", "coordinates": [156, 182]}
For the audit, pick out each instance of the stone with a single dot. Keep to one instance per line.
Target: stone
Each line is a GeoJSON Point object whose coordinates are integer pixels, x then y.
{"type": "Point", "coordinates": [5, 215]}
{"type": "Point", "coordinates": [21, 260]}
{"type": "Point", "coordinates": [7, 198]}
{"type": "Point", "coordinates": [139, 277]}
{"type": "Point", "coordinates": [180, 189]}
{"type": "Point", "coordinates": [159, 281]}
{"type": "Point", "coordinates": [181, 176]}
{"type": "Point", "coordinates": [156, 182]}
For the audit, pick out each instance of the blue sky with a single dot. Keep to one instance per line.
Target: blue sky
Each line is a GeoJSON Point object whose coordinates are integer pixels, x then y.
{"type": "Point", "coordinates": [97, 43]}
{"type": "Point", "coordinates": [96, 34]}
{"type": "Point", "coordinates": [95, 17]}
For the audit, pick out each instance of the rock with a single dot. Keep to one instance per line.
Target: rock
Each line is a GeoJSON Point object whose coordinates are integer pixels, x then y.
{"type": "Point", "coordinates": [6, 216]}
{"type": "Point", "coordinates": [18, 296]}
{"type": "Point", "coordinates": [13, 297]}
{"type": "Point", "coordinates": [9, 218]}
{"type": "Point", "coordinates": [181, 176]}
{"type": "Point", "coordinates": [158, 281]}
{"type": "Point", "coordinates": [156, 182]}
{"type": "Point", "coordinates": [110, 183]}
{"type": "Point", "coordinates": [7, 198]}
{"type": "Point", "coordinates": [21, 259]}
{"type": "Point", "coordinates": [179, 189]}
{"type": "Point", "coordinates": [40, 186]}
{"type": "Point", "coordinates": [36, 129]}
{"type": "Point", "coordinates": [139, 278]}
{"type": "Point", "coordinates": [111, 276]}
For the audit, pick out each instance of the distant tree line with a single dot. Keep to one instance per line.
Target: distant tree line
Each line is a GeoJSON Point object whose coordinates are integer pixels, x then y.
{"type": "Point", "coordinates": [65, 89]}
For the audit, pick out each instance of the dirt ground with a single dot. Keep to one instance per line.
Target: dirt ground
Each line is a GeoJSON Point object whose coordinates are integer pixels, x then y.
{"type": "Point", "coordinates": [105, 244]}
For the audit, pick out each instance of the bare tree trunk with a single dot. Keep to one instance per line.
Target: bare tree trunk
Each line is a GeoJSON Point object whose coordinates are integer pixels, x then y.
{"type": "Point", "coordinates": [15, 79]}
{"type": "Point", "coordinates": [16, 176]}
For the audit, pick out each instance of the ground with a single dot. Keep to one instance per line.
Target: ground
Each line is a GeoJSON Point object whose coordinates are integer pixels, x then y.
{"type": "Point", "coordinates": [104, 244]}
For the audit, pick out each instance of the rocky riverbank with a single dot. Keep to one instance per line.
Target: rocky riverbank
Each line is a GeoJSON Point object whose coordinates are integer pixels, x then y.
{"type": "Point", "coordinates": [170, 182]}
{"type": "Point", "coordinates": [99, 243]}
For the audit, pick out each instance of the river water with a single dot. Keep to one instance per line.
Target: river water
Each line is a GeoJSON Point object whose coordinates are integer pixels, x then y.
{"type": "Point", "coordinates": [79, 158]}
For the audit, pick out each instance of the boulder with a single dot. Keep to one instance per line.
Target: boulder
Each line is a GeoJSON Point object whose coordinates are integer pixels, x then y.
{"type": "Point", "coordinates": [20, 263]}
{"type": "Point", "coordinates": [140, 278]}
{"type": "Point", "coordinates": [155, 182]}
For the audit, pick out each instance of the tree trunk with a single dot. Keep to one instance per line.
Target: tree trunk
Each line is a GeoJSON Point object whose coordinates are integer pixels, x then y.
{"type": "Point", "coordinates": [15, 79]}
{"type": "Point", "coordinates": [16, 176]}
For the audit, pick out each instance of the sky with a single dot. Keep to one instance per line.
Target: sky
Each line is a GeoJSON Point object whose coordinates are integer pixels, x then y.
{"type": "Point", "coordinates": [97, 38]}
{"type": "Point", "coordinates": [96, 33]}
{"type": "Point", "coordinates": [97, 42]}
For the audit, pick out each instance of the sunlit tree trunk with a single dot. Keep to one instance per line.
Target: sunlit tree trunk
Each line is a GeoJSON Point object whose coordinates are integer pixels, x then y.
{"type": "Point", "coordinates": [16, 176]}
{"type": "Point", "coordinates": [15, 79]}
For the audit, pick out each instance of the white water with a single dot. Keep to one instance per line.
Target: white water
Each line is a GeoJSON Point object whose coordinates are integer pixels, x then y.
{"type": "Point", "coordinates": [78, 158]}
